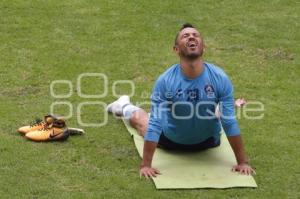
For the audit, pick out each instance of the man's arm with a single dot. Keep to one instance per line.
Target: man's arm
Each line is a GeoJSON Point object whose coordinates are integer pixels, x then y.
{"type": "Point", "coordinates": [148, 152]}
{"type": "Point", "coordinates": [239, 152]}
{"type": "Point", "coordinates": [154, 129]}
{"type": "Point", "coordinates": [238, 148]}
{"type": "Point", "coordinates": [231, 127]}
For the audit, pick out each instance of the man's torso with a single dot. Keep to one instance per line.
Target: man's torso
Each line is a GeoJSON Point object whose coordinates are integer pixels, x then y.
{"type": "Point", "coordinates": [191, 103]}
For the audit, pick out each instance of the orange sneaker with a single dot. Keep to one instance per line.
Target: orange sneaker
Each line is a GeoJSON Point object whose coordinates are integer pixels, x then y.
{"type": "Point", "coordinates": [37, 124]}
{"type": "Point", "coordinates": [57, 131]}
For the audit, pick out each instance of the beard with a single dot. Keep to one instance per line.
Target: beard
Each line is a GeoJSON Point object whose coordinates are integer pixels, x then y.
{"type": "Point", "coordinates": [191, 55]}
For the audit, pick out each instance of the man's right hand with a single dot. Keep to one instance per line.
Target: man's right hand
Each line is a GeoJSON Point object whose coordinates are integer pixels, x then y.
{"type": "Point", "coordinates": [148, 172]}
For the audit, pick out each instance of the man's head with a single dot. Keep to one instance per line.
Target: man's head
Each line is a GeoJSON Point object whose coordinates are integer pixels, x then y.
{"type": "Point", "coordinates": [188, 43]}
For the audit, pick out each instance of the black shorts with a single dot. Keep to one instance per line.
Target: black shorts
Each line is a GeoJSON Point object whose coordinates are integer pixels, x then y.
{"type": "Point", "coordinates": [167, 144]}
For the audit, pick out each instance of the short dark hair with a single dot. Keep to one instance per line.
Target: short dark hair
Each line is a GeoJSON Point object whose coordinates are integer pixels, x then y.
{"type": "Point", "coordinates": [185, 25]}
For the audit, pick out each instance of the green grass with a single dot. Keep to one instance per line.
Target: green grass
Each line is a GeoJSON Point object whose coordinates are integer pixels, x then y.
{"type": "Point", "coordinates": [256, 42]}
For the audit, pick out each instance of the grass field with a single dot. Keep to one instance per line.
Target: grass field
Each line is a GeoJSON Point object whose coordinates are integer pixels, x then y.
{"type": "Point", "coordinates": [256, 42]}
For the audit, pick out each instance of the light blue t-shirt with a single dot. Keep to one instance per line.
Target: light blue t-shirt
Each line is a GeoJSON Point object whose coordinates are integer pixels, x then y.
{"type": "Point", "coordinates": [184, 109]}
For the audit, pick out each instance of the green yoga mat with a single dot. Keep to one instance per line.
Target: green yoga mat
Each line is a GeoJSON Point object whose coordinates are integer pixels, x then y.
{"type": "Point", "coordinates": [206, 169]}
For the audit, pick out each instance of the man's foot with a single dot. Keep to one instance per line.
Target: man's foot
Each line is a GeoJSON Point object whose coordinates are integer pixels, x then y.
{"type": "Point", "coordinates": [117, 106]}
{"type": "Point", "coordinates": [240, 102]}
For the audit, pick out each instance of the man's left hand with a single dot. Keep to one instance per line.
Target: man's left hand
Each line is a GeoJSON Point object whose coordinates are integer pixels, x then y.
{"type": "Point", "coordinates": [244, 168]}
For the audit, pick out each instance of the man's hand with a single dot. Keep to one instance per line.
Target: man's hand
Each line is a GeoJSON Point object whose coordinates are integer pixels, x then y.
{"type": "Point", "coordinates": [145, 168]}
{"type": "Point", "coordinates": [148, 172]}
{"type": "Point", "coordinates": [243, 169]}
{"type": "Point", "coordinates": [238, 148]}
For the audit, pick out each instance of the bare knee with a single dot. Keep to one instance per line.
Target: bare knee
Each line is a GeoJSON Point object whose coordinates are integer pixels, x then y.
{"type": "Point", "coordinates": [139, 121]}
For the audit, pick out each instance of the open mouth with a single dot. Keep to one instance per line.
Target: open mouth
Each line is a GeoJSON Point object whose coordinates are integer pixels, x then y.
{"type": "Point", "coordinates": [192, 44]}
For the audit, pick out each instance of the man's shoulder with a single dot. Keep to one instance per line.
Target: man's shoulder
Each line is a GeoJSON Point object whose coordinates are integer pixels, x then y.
{"type": "Point", "coordinates": [169, 73]}
{"type": "Point", "coordinates": [216, 70]}
{"type": "Point", "coordinates": [171, 70]}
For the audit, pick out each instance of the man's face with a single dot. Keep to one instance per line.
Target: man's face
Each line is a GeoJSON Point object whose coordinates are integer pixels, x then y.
{"type": "Point", "coordinates": [189, 44]}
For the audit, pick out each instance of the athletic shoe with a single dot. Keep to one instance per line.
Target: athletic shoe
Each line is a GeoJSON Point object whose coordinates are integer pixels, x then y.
{"type": "Point", "coordinates": [117, 106]}
{"type": "Point", "coordinates": [57, 131]}
{"type": "Point", "coordinates": [37, 124]}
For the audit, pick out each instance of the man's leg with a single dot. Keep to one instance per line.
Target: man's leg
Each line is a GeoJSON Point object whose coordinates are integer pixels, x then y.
{"type": "Point", "coordinates": [139, 121]}
{"type": "Point", "coordinates": [137, 117]}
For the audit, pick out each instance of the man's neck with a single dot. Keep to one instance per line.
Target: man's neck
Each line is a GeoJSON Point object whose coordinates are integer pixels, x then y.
{"type": "Point", "coordinates": [192, 68]}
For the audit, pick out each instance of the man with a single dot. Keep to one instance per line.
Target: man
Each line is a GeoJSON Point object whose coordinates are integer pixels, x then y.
{"type": "Point", "coordinates": [184, 101]}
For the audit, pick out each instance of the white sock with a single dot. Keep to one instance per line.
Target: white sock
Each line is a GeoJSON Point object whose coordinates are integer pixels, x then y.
{"type": "Point", "coordinates": [128, 110]}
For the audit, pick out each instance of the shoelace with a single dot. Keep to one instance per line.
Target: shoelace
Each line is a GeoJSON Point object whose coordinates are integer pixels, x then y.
{"type": "Point", "coordinates": [36, 122]}
{"type": "Point", "coordinates": [46, 127]}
